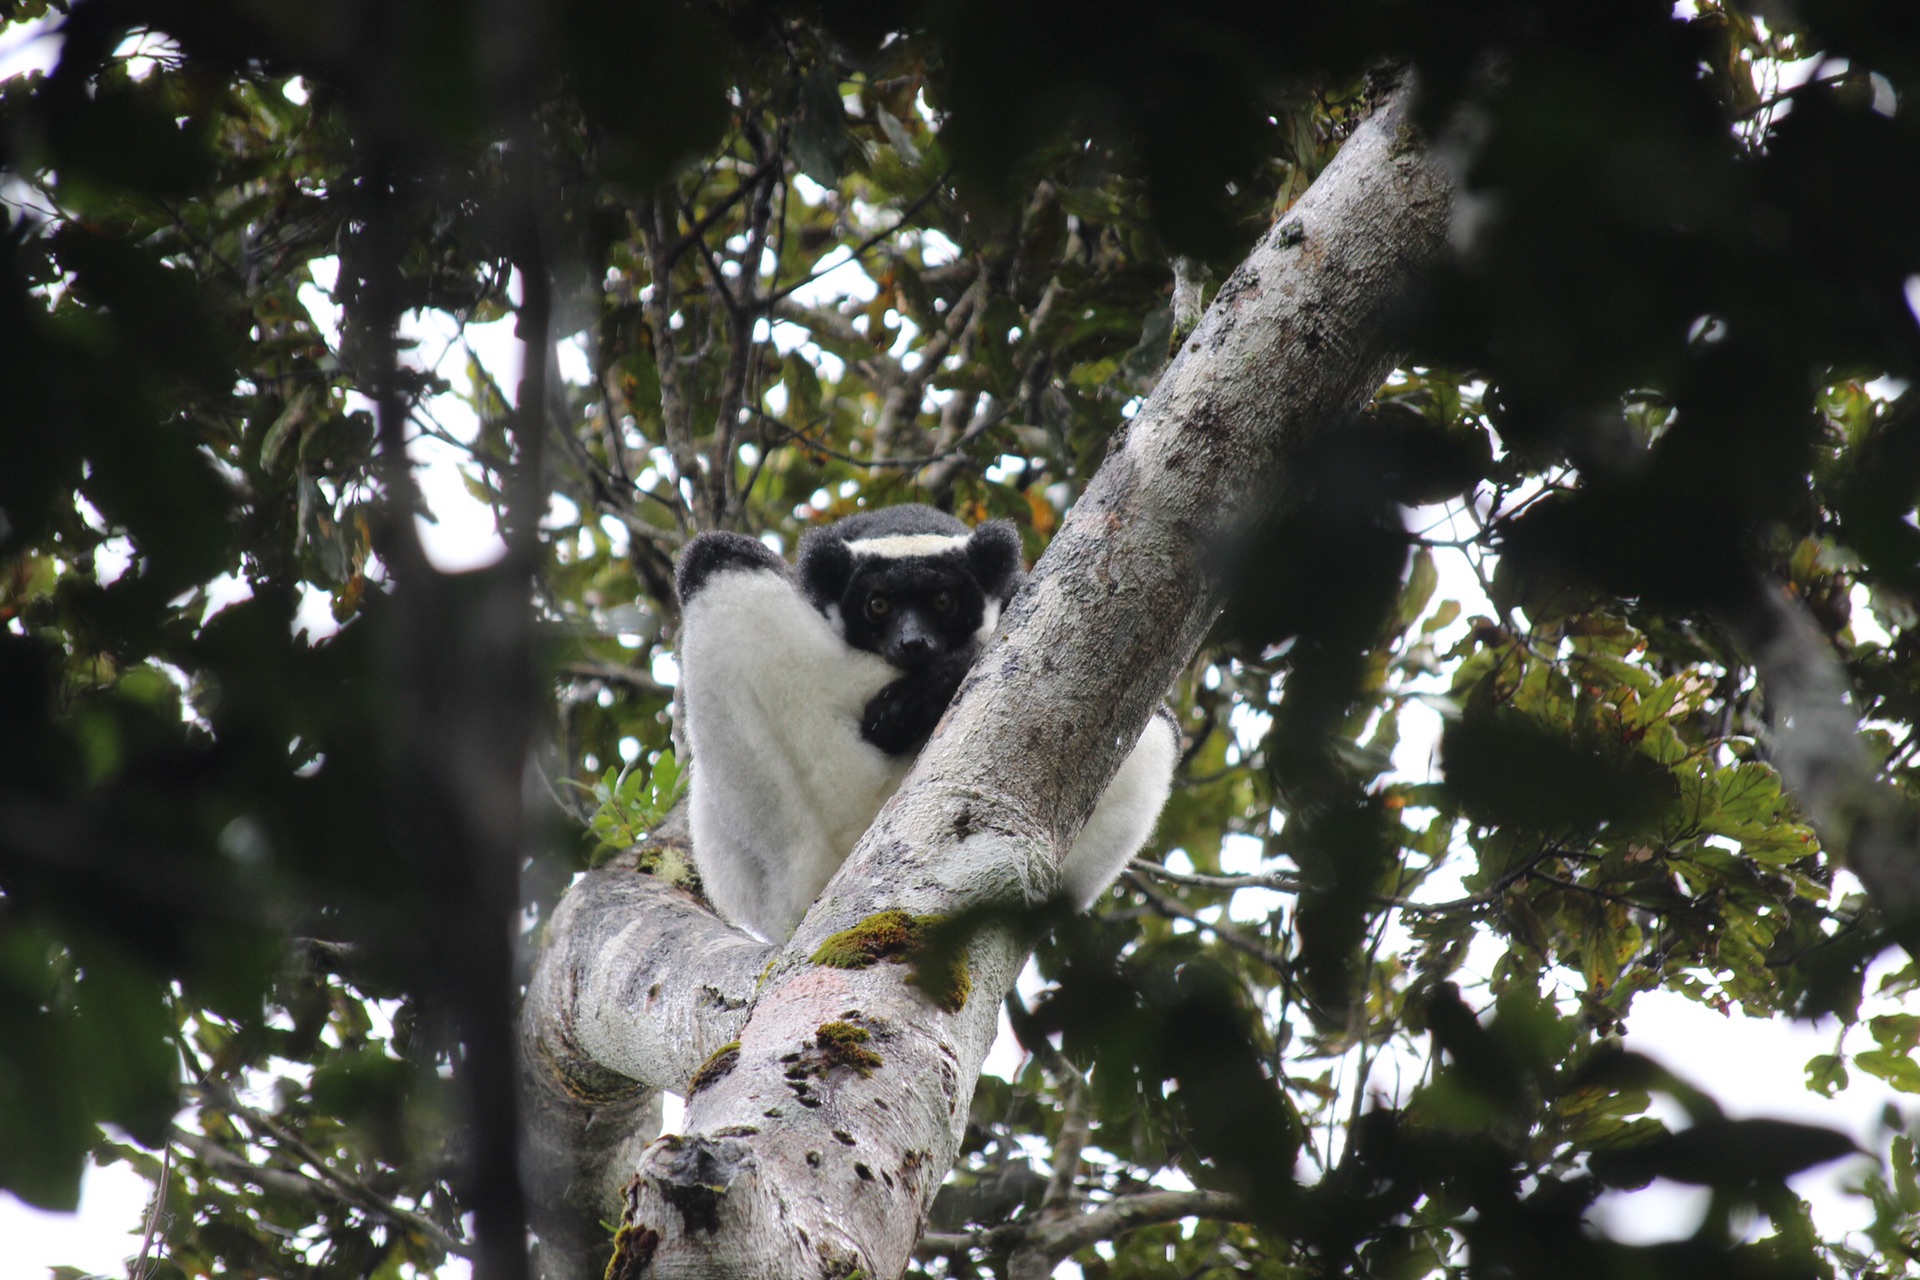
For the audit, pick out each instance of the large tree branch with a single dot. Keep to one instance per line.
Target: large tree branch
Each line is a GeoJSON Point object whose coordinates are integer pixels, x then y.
{"type": "Point", "coordinates": [638, 986]}
{"type": "Point", "coordinates": [1815, 743]}
{"type": "Point", "coordinates": [804, 1158]}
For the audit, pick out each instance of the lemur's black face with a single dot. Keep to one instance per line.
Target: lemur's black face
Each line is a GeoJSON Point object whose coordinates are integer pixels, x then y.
{"type": "Point", "coordinates": [911, 584]}
{"type": "Point", "coordinates": [911, 612]}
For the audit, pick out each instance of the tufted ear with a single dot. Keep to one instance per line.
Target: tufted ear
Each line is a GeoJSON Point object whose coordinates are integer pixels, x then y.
{"type": "Point", "coordinates": [826, 564]}
{"type": "Point", "coordinates": [993, 553]}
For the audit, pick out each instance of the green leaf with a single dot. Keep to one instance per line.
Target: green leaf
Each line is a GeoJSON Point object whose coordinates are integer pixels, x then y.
{"type": "Point", "coordinates": [1899, 1032]}
{"type": "Point", "coordinates": [1827, 1074]}
{"type": "Point", "coordinates": [1897, 1069]}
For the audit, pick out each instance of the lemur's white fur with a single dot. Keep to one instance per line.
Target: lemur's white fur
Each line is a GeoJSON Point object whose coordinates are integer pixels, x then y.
{"type": "Point", "coordinates": [773, 702]}
{"type": "Point", "coordinates": [1124, 819]}
{"type": "Point", "coordinates": [772, 697]}
{"type": "Point", "coordinates": [989, 619]}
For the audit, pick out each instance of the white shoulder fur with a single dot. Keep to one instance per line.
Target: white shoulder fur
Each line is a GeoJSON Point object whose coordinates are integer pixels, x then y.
{"type": "Point", "coordinates": [785, 784]}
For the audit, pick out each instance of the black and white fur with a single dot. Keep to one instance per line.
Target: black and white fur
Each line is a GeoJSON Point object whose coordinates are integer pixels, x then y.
{"type": "Point", "coordinates": [804, 703]}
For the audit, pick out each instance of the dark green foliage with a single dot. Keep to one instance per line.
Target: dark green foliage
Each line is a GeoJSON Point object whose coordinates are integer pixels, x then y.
{"type": "Point", "coordinates": [651, 80]}
{"type": "Point", "coordinates": [1507, 772]}
{"type": "Point", "coordinates": [1169, 1023]}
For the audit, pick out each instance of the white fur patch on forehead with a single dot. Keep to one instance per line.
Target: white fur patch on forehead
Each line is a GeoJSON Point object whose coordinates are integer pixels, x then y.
{"type": "Point", "coordinates": [902, 546]}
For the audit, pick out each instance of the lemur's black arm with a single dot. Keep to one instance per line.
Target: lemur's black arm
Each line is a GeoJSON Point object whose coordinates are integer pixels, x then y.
{"type": "Point", "coordinates": [901, 716]}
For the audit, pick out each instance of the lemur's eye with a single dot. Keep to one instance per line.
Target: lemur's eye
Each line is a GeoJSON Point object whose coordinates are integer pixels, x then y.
{"type": "Point", "coordinates": [944, 602]}
{"type": "Point", "coordinates": [877, 606]}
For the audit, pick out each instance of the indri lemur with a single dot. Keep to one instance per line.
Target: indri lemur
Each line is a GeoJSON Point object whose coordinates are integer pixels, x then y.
{"type": "Point", "coordinates": [807, 692]}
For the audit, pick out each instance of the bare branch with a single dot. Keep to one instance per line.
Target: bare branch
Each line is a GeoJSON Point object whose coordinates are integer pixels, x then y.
{"type": "Point", "coordinates": [1034, 1259]}
{"type": "Point", "coordinates": [602, 1032]}
{"type": "Point", "coordinates": [1284, 881]}
{"type": "Point", "coordinates": [676, 421]}
{"type": "Point", "coordinates": [1144, 1210]}
{"type": "Point", "coordinates": [1109, 1221]}
{"type": "Point", "coordinates": [904, 400]}
{"type": "Point", "coordinates": [740, 391]}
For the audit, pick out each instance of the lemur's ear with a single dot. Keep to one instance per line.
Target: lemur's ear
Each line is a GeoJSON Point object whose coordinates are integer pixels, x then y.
{"type": "Point", "coordinates": [993, 553]}
{"type": "Point", "coordinates": [826, 564]}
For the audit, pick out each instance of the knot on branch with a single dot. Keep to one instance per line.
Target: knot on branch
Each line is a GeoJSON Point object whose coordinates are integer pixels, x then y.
{"type": "Point", "coordinates": [693, 1173]}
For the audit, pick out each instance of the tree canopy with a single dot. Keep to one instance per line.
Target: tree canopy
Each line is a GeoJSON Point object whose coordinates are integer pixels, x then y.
{"type": "Point", "coordinates": [267, 902]}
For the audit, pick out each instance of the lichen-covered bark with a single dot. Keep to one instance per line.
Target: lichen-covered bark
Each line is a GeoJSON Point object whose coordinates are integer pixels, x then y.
{"type": "Point", "coordinates": [639, 986]}
{"type": "Point", "coordinates": [797, 1162]}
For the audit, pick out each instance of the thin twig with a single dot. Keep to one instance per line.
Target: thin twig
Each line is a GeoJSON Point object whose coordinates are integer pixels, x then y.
{"type": "Point", "coordinates": [860, 250]}
{"type": "Point", "coordinates": [139, 1269]}
{"type": "Point", "coordinates": [1283, 881]}
{"type": "Point", "coordinates": [289, 1182]}
{"type": "Point", "coordinates": [697, 228]}
{"type": "Point", "coordinates": [957, 453]}
{"type": "Point", "coordinates": [1104, 1223]}
{"type": "Point", "coordinates": [1174, 909]}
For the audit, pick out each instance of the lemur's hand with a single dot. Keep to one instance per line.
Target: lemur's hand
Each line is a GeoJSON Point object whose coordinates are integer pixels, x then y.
{"type": "Point", "coordinates": [902, 716]}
